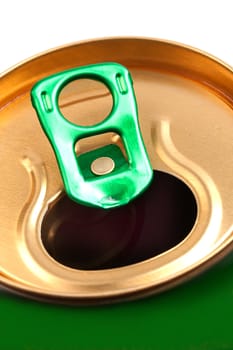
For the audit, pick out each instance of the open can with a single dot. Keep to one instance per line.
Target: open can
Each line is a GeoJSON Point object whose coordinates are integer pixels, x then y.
{"type": "Point", "coordinates": [54, 249]}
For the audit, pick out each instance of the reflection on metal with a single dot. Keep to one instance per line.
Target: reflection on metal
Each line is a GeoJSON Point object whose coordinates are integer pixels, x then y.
{"type": "Point", "coordinates": [28, 218]}
{"type": "Point", "coordinates": [202, 185]}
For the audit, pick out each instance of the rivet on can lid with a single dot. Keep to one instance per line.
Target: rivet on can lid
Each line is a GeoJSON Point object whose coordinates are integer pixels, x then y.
{"type": "Point", "coordinates": [102, 166]}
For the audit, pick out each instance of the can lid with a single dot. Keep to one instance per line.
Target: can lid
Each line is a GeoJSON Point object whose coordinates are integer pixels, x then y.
{"type": "Point", "coordinates": [113, 180]}
{"type": "Point", "coordinates": [55, 249]}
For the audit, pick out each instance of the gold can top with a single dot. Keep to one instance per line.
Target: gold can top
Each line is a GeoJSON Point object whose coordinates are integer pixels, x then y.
{"type": "Point", "coordinates": [186, 118]}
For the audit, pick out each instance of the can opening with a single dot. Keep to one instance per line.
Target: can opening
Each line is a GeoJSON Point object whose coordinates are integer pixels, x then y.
{"type": "Point", "coordinates": [92, 239]}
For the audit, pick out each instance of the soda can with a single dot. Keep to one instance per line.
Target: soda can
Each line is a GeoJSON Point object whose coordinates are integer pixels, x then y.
{"type": "Point", "coordinates": [54, 249]}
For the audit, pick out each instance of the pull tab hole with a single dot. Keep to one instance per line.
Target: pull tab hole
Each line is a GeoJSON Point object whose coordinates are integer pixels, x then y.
{"type": "Point", "coordinates": [85, 102]}
{"type": "Point", "coordinates": [97, 141]}
{"type": "Point", "coordinates": [101, 154]}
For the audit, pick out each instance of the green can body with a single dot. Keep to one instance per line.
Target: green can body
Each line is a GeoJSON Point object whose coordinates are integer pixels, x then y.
{"type": "Point", "coordinates": [195, 315]}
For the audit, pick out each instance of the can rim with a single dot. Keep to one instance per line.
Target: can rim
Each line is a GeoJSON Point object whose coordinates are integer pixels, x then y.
{"type": "Point", "coordinates": [110, 38]}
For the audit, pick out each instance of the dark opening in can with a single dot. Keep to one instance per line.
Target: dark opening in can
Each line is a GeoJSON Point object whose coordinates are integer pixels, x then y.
{"type": "Point", "coordinates": [92, 238]}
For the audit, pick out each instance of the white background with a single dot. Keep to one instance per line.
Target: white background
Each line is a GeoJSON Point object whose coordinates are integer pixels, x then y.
{"type": "Point", "coordinates": [29, 27]}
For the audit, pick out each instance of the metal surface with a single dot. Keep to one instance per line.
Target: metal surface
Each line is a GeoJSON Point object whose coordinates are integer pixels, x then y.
{"type": "Point", "coordinates": [102, 165]}
{"type": "Point", "coordinates": [185, 112]}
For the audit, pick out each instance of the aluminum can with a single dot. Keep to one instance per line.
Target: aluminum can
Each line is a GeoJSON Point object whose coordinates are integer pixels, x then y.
{"type": "Point", "coordinates": [54, 250]}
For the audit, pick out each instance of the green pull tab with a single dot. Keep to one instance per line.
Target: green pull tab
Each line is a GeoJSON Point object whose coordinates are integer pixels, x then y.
{"type": "Point", "coordinates": [103, 177]}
